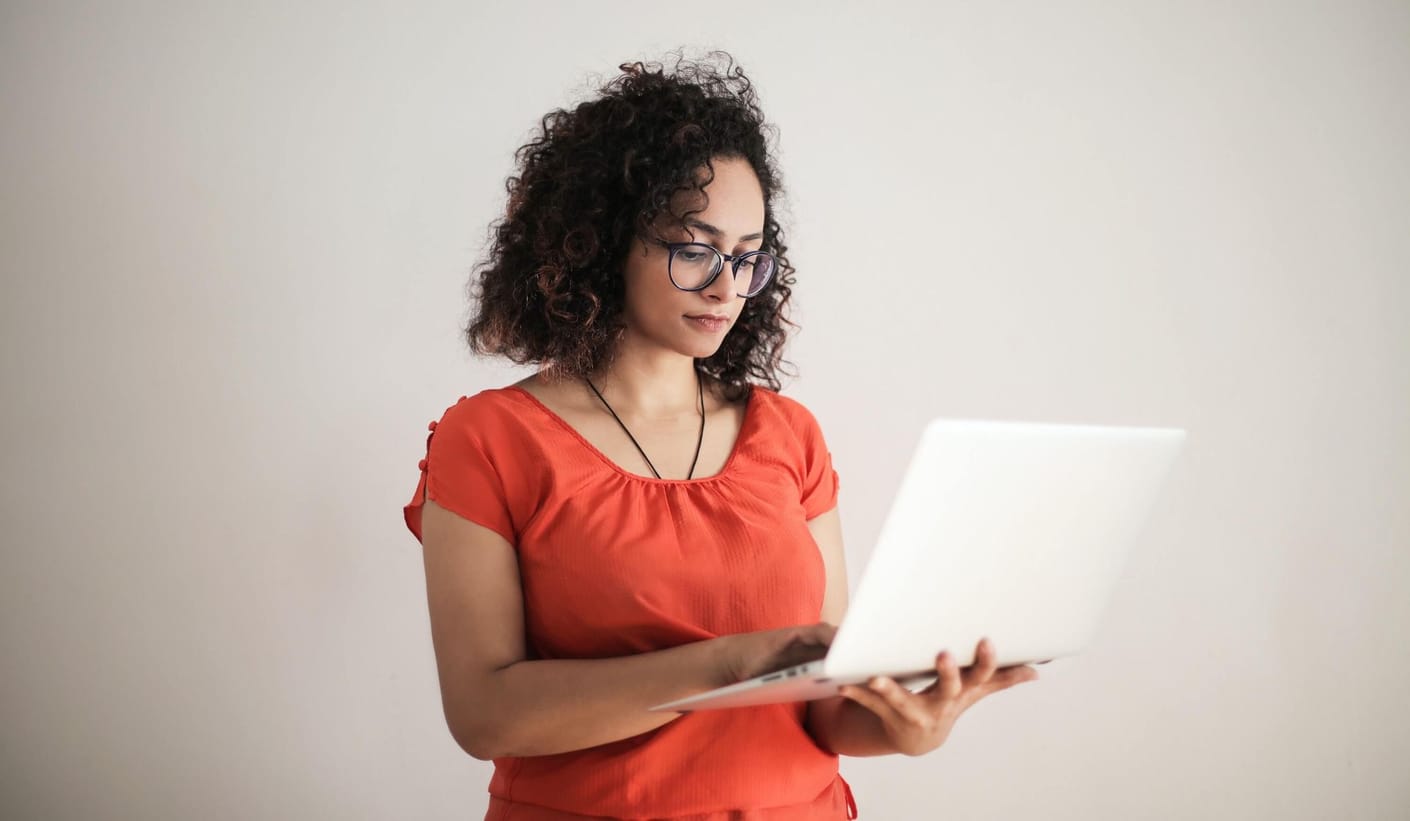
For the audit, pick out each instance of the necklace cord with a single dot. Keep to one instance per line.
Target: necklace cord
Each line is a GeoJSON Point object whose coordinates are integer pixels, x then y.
{"type": "Point", "coordinates": [700, 390]}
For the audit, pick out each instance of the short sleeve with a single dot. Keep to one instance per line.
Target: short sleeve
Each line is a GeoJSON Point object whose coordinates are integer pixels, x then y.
{"type": "Point", "coordinates": [459, 474]}
{"type": "Point", "coordinates": [820, 480]}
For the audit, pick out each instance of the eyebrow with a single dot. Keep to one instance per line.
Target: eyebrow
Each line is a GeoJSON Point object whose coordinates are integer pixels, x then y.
{"type": "Point", "coordinates": [713, 231]}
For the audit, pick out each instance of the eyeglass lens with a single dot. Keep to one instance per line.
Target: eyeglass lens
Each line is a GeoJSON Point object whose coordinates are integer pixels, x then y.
{"type": "Point", "coordinates": [691, 266]}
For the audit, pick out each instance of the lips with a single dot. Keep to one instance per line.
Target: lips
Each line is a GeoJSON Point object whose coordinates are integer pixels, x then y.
{"type": "Point", "coordinates": [712, 323]}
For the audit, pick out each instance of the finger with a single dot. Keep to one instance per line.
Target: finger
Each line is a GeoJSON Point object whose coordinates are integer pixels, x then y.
{"type": "Point", "coordinates": [822, 632]}
{"type": "Point", "coordinates": [1021, 673]}
{"type": "Point", "coordinates": [986, 661]}
{"type": "Point", "coordinates": [1009, 677]}
{"type": "Point", "coordinates": [950, 684]}
{"type": "Point", "coordinates": [909, 707]}
{"type": "Point", "coordinates": [871, 700]}
{"type": "Point", "coordinates": [800, 649]}
{"type": "Point", "coordinates": [803, 635]}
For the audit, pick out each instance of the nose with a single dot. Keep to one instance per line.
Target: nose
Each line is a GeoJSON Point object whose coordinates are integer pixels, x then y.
{"type": "Point", "coordinates": [722, 289]}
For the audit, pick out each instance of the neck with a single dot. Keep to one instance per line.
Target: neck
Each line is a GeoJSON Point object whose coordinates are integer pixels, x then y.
{"type": "Point", "coordinates": [649, 384]}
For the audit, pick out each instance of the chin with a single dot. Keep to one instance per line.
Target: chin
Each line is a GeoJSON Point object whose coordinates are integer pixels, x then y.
{"type": "Point", "coordinates": [699, 351]}
{"type": "Point", "coordinates": [698, 347]}
{"type": "Point", "coordinates": [683, 339]}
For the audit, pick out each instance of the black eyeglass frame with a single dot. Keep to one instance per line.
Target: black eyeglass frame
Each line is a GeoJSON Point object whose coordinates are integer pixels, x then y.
{"type": "Point", "coordinates": [735, 260]}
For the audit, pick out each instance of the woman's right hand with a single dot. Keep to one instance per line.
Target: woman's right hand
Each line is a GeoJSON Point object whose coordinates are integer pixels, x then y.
{"type": "Point", "coordinates": [746, 655]}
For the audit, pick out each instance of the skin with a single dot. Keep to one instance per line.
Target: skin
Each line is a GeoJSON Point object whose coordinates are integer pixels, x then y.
{"type": "Point", "coordinates": [651, 384]}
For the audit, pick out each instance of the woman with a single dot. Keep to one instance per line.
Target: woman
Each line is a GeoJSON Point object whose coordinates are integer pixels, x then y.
{"type": "Point", "coordinates": [646, 517]}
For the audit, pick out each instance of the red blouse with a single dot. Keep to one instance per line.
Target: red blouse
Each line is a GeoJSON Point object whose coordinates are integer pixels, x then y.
{"type": "Point", "coordinates": [614, 564]}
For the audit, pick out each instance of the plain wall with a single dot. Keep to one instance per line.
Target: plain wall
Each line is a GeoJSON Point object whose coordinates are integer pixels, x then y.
{"type": "Point", "coordinates": [236, 240]}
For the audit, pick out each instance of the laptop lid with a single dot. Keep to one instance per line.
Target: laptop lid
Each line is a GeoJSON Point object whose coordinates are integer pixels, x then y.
{"type": "Point", "coordinates": [1013, 530]}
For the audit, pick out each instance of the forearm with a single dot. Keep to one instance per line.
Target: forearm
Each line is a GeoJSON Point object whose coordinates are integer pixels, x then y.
{"type": "Point", "coordinates": [844, 727]}
{"type": "Point", "coordinates": [552, 706]}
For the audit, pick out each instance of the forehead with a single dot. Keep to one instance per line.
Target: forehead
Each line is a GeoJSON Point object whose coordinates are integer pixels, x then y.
{"type": "Point", "coordinates": [735, 199]}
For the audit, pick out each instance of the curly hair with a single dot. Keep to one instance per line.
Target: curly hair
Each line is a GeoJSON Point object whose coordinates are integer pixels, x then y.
{"type": "Point", "coordinates": [592, 180]}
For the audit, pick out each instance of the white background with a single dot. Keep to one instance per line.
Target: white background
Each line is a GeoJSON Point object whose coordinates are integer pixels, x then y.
{"type": "Point", "coordinates": [236, 240]}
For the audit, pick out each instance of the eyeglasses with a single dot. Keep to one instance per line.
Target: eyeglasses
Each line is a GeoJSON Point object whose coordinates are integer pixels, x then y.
{"type": "Point", "coordinates": [692, 266]}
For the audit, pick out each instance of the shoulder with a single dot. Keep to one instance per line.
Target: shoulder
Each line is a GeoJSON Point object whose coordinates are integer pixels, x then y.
{"type": "Point", "coordinates": [487, 434]}
{"type": "Point", "coordinates": [785, 409]}
{"type": "Point", "coordinates": [796, 440]}
{"type": "Point", "coordinates": [483, 414]}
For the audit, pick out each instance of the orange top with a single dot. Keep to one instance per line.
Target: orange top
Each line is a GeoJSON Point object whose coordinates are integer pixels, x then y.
{"type": "Point", "coordinates": [614, 564]}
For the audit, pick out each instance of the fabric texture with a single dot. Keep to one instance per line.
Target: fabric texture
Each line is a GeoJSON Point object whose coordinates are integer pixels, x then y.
{"type": "Point", "coordinates": [613, 564]}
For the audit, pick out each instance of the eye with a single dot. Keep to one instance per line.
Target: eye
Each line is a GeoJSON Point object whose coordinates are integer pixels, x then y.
{"type": "Point", "coordinates": [690, 255]}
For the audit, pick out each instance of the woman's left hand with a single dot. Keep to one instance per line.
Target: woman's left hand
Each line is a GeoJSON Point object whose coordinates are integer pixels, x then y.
{"type": "Point", "coordinates": [917, 723]}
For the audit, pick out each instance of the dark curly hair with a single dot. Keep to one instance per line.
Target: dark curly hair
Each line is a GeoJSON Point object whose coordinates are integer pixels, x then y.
{"type": "Point", "coordinates": [595, 178]}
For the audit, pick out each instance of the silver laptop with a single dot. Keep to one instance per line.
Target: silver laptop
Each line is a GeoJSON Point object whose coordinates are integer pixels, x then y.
{"type": "Point", "coordinates": [1013, 530]}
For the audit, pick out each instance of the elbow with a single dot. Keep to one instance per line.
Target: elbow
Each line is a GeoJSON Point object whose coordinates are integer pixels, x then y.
{"type": "Point", "coordinates": [821, 717]}
{"type": "Point", "coordinates": [477, 729]}
{"type": "Point", "coordinates": [480, 753]}
{"type": "Point", "coordinates": [475, 722]}
{"type": "Point", "coordinates": [820, 740]}
{"type": "Point", "coordinates": [483, 723]}
{"type": "Point", "coordinates": [476, 739]}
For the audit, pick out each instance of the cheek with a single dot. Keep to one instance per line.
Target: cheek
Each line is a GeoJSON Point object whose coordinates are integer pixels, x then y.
{"type": "Point", "coordinates": [648, 288]}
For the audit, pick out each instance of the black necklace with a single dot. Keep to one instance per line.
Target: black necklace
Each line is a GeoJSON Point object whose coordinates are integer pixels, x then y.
{"type": "Point", "coordinates": [700, 389]}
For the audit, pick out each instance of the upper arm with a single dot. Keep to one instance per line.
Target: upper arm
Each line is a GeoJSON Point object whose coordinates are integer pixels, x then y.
{"type": "Point", "coordinates": [477, 616]}
{"type": "Point", "coordinates": [827, 532]}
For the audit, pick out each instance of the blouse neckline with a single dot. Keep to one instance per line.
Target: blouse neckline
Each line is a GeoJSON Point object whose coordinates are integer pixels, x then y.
{"type": "Point", "coordinates": [724, 472]}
